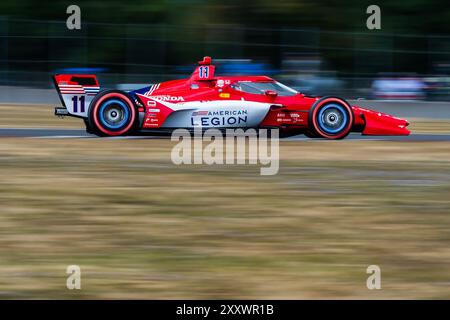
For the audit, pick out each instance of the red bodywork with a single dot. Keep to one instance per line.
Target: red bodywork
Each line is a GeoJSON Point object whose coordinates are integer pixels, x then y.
{"type": "Point", "coordinates": [294, 115]}
{"type": "Point", "coordinates": [289, 113]}
{"type": "Point", "coordinates": [159, 104]}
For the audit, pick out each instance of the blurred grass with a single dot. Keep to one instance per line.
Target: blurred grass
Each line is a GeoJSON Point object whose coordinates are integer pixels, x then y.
{"type": "Point", "coordinates": [34, 116]}
{"type": "Point", "coordinates": [141, 227]}
{"type": "Point", "coordinates": [430, 125]}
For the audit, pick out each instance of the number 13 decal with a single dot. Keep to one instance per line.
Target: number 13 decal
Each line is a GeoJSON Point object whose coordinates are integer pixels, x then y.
{"type": "Point", "coordinates": [75, 100]}
{"type": "Point", "coordinates": [204, 72]}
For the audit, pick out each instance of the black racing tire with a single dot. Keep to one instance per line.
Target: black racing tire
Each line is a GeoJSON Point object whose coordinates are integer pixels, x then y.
{"type": "Point", "coordinates": [330, 118]}
{"type": "Point", "coordinates": [90, 129]}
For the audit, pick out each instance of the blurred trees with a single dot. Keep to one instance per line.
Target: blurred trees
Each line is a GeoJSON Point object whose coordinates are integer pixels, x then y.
{"type": "Point", "coordinates": [414, 16]}
{"type": "Point", "coordinates": [178, 45]}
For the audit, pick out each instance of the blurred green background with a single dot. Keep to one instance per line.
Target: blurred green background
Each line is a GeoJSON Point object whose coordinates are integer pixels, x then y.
{"type": "Point", "coordinates": [130, 41]}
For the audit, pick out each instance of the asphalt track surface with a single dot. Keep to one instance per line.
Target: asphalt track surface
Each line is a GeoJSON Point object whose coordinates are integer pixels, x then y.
{"type": "Point", "coordinates": [402, 109]}
{"type": "Point", "coordinates": [81, 134]}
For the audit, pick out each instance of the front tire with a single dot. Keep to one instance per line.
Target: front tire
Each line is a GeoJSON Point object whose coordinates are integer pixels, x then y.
{"type": "Point", "coordinates": [112, 113]}
{"type": "Point", "coordinates": [331, 118]}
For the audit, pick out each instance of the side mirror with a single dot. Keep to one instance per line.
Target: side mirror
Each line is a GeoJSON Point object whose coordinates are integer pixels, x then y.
{"type": "Point", "coordinates": [271, 93]}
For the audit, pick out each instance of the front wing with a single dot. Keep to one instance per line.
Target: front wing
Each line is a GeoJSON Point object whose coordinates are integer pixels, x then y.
{"type": "Point", "coordinates": [379, 124]}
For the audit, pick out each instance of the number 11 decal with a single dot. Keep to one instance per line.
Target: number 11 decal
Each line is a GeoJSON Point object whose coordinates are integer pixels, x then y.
{"type": "Point", "coordinates": [75, 104]}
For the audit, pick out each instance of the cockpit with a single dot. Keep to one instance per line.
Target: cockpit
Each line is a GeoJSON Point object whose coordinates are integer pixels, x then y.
{"type": "Point", "coordinates": [258, 87]}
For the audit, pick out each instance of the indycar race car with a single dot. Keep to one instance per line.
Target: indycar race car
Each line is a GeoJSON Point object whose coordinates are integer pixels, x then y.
{"type": "Point", "coordinates": [205, 100]}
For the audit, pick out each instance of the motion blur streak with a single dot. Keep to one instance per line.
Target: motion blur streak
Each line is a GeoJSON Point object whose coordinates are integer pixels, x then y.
{"type": "Point", "coordinates": [141, 228]}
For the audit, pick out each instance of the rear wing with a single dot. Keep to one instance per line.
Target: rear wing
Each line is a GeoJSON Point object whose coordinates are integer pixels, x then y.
{"type": "Point", "coordinates": [76, 92]}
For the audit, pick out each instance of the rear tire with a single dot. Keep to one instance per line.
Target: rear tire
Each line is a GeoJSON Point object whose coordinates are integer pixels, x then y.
{"type": "Point", "coordinates": [89, 129]}
{"type": "Point", "coordinates": [330, 118]}
{"type": "Point", "coordinates": [112, 113]}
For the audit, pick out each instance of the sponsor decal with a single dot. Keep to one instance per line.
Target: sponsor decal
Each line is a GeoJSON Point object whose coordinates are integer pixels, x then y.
{"type": "Point", "coordinates": [291, 117]}
{"type": "Point", "coordinates": [224, 95]}
{"type": "Point", "coordinates": [199, 113]}
{"type": "Point", "coordinates": [219, 118]}
{"type": "Point", "coordinates": [220, 113]}
{"type": "Point", "coordinates": [168, 98]}
{"type": "Point", "coordinates": [221, 83]}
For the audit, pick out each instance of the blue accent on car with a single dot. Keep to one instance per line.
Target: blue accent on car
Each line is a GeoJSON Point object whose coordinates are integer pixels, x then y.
{"type": "Point", "coordinates": [134, 93]}
{"type": "Point", "coordinates": [122, 106]}
{"type": "Point", "coordinates": [323, 125]}
{"type": "Point", "coordinates": [81, 70]}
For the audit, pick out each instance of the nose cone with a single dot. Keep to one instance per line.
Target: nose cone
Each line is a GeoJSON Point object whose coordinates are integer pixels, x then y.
{"type": "Point", "coordinates": [378, 123]}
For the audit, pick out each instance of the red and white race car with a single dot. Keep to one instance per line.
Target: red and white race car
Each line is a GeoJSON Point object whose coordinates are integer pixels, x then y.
{"type": "Point", "coordinates": [205, 100]}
